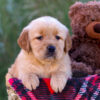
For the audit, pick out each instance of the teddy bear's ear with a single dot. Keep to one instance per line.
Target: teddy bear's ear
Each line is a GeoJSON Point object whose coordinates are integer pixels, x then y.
{"type": "Point", "coordinates": [74, 8]}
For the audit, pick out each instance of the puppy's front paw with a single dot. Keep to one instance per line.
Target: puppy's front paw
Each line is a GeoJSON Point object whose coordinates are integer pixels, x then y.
{"type": "Point", "coordinates": [58, 83]}
{"type": "Point", "coordinates": [30, 81]}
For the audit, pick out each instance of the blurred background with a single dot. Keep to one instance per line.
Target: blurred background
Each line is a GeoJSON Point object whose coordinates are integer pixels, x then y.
{"type": "Point", "coordinates": [16, 14]}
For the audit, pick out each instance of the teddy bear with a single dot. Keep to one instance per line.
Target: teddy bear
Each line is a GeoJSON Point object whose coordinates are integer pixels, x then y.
{"type": "Point", "coordinates": [85, 52]}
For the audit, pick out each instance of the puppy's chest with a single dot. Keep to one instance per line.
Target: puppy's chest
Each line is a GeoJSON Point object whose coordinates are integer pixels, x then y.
{"type": "Point", "coordinates": [46, 71]}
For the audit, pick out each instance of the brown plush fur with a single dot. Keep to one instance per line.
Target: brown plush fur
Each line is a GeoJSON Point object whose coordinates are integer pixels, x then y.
{"type": "Point", "coordinates": [85, 52]}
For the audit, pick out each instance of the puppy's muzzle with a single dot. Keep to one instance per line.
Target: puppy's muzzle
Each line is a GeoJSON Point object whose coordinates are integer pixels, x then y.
{"type": "Point", "coordinates": [51, 51]}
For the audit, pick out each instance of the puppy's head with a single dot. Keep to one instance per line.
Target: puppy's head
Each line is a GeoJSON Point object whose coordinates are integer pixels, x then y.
{"type": "Point", "coordinates": [46, 38]}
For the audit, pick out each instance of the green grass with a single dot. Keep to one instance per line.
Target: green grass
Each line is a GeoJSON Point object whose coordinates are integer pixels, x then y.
{"type": "Point", "coordinates": [16, 14]}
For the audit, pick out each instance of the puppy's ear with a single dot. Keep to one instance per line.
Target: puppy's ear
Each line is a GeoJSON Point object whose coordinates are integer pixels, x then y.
{"type": "Point", "coordinates": [23, 40]}
{"type": "Point", "coordinates": [68, 43]}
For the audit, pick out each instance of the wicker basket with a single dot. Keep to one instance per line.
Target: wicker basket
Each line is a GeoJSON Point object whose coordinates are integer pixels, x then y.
{"type": "Point", "coordinates": [11, 93]}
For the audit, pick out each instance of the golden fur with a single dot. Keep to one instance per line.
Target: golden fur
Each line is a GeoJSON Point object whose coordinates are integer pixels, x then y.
{"type": "Point", "coordinates": [32, 62]}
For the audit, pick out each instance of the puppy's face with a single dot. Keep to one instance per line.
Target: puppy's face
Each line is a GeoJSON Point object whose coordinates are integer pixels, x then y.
{"type": "Point", "coordinates": [46, 38]}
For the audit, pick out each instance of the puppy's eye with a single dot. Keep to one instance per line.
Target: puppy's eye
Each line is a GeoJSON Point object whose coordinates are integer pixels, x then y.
{"type": "Point", "coordinates": [39, 37]}
{"type": "Point", "coordinates": [58, 37]}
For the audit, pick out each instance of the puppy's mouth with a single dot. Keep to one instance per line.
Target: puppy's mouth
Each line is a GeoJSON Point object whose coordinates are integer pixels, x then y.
{"type": "Point", "coordinates": [50, 55]}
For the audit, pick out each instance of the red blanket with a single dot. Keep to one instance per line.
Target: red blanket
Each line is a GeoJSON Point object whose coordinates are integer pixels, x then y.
{"type": "Point", "coordinates": [87, 88]}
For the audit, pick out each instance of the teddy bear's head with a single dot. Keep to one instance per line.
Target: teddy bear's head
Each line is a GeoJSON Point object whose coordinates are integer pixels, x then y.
{"type": "Point", "coordinates": [85, 19]}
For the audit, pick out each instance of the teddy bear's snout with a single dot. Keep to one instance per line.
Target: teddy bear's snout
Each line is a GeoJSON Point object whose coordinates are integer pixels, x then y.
{"type": "Point", "coordinates": [93, 30]}
{"type": "Point", "coordinates": [97, 28]}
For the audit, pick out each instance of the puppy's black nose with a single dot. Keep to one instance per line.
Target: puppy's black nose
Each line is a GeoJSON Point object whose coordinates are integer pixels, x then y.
{"type": "Point", "coordinates": [51, 48]}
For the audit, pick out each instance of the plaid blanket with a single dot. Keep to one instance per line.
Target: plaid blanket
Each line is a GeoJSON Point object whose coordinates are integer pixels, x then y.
{"type": "Point", "coordinates": [86, 88]}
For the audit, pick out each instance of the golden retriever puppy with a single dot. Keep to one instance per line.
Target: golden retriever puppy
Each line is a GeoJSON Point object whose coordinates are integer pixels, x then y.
{"type": "Point", "coordinates": [44, 44]}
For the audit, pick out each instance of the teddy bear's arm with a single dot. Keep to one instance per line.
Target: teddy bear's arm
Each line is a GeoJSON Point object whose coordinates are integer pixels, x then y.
{"type": "Point", "coordinates": [80, 69]}
{"type": "Point", "coordinates": [97, 71]}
